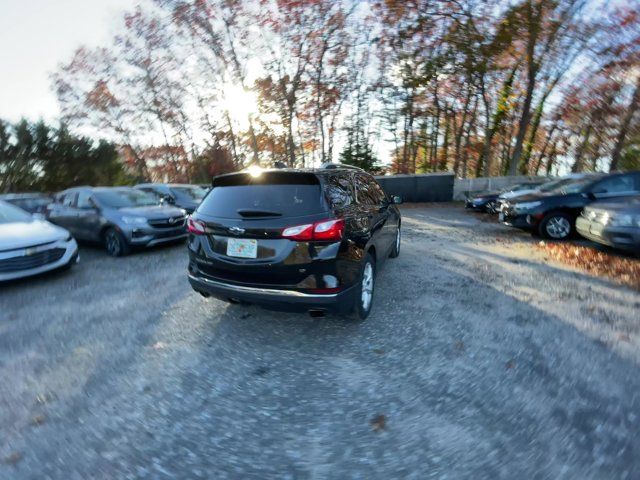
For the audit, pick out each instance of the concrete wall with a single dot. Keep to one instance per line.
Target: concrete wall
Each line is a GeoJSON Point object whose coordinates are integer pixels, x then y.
{"type": "Point", "coordinates": [437, 187]}
{"type": "Point", "coordinates": [463, 186]}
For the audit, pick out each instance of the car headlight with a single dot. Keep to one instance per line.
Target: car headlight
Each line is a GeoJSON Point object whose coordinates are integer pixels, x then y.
{"type": "Point", "coordinates": [527, 205]}
{"type": "Point", "coordinates": [134, 220]}
{"type": "Point", "coordinates": [624, 220]}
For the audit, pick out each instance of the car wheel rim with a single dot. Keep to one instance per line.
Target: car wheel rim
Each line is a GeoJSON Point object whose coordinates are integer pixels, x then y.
{"type": "Point", "coordinates": [558, 227]}
{"type": "Point", "coordinates": [113, 246]}
{"type": "Point", "coordinates": [367, 286]}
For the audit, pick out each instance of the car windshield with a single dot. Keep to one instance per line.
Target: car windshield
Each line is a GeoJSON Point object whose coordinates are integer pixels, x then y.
{"type": "Point", "coordinates": [124, 198]}
{"type": "Point", "coordinates": [195, 194]}
{"type": "Point", "coordinates": [550, 186]}
{"type": "Point", "coordinates": [11, 214]}
{"type": "Point", "coordinates": [573, 186]}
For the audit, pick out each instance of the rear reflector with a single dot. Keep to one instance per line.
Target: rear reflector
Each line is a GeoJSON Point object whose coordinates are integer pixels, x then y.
{"type": "Point", "coordinates": [324, 291]}
{"type": "Point", "coordinates": [324, 230]}
{"type": "Point", "coordinates": [195, 226]}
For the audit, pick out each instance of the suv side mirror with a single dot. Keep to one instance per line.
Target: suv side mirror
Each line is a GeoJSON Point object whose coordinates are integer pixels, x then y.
{"type": "Point", "coordinates": [396, 199]}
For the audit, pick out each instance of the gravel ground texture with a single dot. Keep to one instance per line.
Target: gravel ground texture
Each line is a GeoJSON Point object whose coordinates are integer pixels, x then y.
{"type": "Point", "coordinates": [481, 360]}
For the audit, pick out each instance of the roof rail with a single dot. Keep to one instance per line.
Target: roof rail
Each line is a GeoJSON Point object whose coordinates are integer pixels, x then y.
{"type": "Point", "coordinates": [333, 166]}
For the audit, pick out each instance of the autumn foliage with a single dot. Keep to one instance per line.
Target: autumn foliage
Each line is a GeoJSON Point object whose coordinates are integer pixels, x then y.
{"type": "Point", "coordinates": [478, 87]}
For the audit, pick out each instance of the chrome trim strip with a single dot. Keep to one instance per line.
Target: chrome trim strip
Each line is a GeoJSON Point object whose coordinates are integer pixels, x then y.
{"type": "Point", "coordinates": [263, 291]}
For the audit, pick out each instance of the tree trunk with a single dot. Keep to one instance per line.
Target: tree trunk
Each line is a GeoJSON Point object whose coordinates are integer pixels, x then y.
{"type": "Point", "coordinates": [460, 133]}
{"type": "Point", "coordinates": [624, 128]}
{"type": "Point", "coordinates": [582, 148]}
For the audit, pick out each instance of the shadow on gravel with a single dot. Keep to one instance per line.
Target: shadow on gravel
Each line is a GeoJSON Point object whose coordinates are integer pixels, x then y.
{"type": "Point", "coordinates": [471, 383]}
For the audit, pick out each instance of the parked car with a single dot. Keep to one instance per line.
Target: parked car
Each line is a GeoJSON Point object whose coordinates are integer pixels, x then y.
{"type": "Point", "coordinates": [299, 240]}
{"type": "Point", "coordinates": [553, 214]}
{"type": "Point", "coordinates": [31, 202]}
{"type": "Point", "coordinates": [117, 217]}
{"type": "Point", "coordinates": [615, 223]}
{"type": "Point", "coordinates": [184, 196]}
{"type": "Point", "coordinates": [488, 202]}
{"type": "Point", "coordinates": [545, 187]}
{"type": "Point", "coordinates": [30, 246]}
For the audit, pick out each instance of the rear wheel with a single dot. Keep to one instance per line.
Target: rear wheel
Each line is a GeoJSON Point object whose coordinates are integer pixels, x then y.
{"type": "Point", "coordinates": [115, 243]}
{"type": "Point", "coordinates": [396, 246]}
{"type": "Point", "coordinates": [556, 225]}
{"type": "Point", "coordinates": [364, 298]}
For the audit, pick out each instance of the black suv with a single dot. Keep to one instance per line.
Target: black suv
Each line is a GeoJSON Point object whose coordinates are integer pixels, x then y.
{"type": "Point", "coordinates": [553, 214]}
{"type": "Point", "coordinates": [294, 240]}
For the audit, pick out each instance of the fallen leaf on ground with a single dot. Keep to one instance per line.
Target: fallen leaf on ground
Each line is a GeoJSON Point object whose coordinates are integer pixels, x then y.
{"type": "Point", "coordinates": [624, 270]}
{"type": "Point", "coordinates": [379, 351]}
{"type": "Point", "coordinates": [37, 420]}
{"type": "Point", "coordinates": [13, 458]}
{"type": "Point", "coordinates": [510, 364]}
{"type": "Point", "coordinates": [378, 423]}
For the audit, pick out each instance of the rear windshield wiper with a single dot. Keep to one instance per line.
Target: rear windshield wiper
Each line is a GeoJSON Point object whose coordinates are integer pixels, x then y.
{"type": "Point", "coordinates": [247, 212]}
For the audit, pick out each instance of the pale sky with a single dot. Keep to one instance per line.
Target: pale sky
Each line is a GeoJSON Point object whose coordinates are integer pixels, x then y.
{"type": "Point", "coordinates": [37, 35]}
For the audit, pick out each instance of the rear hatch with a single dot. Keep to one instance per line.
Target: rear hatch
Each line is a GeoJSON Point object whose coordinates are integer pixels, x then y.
{"type": "Point", "coordinates": [244, 217]}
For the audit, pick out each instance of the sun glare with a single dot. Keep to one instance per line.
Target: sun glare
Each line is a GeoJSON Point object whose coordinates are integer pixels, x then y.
{"type": "Point", "coordinates": [240, 103]}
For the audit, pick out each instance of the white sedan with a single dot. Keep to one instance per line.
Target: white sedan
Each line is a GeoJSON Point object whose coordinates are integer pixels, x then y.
{"type": "Point", "coordinates": [29, 246]}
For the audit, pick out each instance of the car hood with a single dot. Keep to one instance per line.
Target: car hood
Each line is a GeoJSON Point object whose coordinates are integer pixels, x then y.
{"type": "Point", "coordinates": [518, 194]}
{"type": "Point", "coordinates": [537, 196]}
{"type": "Point", "coordinates": [27, 234]}
{"type": "Point", "coordinates": [153, 211]}
{"type": "Point", "coordinates": [486, 195]}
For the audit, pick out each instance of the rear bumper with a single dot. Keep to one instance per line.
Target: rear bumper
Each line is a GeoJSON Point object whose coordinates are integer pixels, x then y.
{"type": "Point", "coordinates": [624, 238]}
{"type": "Point", "coordinates": [276, 299]}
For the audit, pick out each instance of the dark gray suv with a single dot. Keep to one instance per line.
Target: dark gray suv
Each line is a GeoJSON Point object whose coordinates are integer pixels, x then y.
{"type": "Point", "coordinates": [117, 217]}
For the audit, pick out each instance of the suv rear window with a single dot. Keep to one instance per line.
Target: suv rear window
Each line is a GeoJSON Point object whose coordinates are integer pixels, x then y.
{"type": "Point", "coordinates": [270, 194]}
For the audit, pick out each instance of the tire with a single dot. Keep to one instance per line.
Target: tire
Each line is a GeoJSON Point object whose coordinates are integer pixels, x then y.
{"type": "Point", "coordinates": [364, 302]}
{"type": "Point", "coordinates": [115, 243]}
{"type": "Point", "coordinates": [395, 251]}
{"type": "Point", "coordinates": [556, 226]}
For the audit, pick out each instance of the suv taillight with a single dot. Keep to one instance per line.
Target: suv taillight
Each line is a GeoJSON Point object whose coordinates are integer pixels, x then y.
{"type": "Point", "coordinates": [324, 230]}
{"type": "Point", "coordinates": [195, 226]}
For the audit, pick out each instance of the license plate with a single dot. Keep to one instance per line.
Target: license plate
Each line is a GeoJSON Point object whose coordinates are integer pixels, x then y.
{"type": "Point", "coordinates": [501, 216]}
{"type": "Point", "coordinates": [242, 248]}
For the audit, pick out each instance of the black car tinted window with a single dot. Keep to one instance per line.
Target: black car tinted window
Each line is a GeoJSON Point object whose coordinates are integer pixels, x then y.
{"type": "Point", "coordinates": [339, 191]}
{"type": "Point", "coordinates": [270, 193]}
{"type": "Point", "coordinates": [618, 184]}
{"type": "Point", "coordinates": [368, 192]}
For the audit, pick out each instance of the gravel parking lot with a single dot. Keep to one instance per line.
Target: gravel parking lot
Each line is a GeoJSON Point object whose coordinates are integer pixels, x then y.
{"type": "Point", "coordinates": [480, 360]}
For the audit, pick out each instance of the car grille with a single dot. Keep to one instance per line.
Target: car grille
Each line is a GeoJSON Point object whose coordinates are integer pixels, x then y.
{"type": "Point", "coordinates": [172, 222]}
{"type": "Point", "coordinates": [27, 262]}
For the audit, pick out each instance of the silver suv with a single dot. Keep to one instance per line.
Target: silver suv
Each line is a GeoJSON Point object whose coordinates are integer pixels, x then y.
{"type": "Point", "coordinates": [117, 217]}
